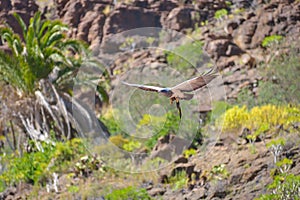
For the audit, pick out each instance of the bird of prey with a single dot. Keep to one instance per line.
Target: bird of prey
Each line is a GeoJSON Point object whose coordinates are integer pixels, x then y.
{"type": "Point", "coordinates": [178, 92]}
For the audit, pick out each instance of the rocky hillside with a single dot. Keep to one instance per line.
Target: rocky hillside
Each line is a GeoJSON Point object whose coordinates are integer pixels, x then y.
{"type": "Point", "coordinates": [233, 41]}
{"type": "Point", "coordinates": [233, 35]}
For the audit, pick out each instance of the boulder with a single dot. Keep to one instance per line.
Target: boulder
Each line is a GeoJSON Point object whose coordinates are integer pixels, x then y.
{"type": "Point", "coordinates": [126, 18]}
{"type": "Point", "coordinates": [168, 147]}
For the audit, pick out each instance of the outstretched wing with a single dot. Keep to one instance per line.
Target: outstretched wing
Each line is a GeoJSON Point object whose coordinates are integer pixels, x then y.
{"type": "Point", "coordinates": [194, 83]}
{"type": "Point", "coordinates": [144, 87]}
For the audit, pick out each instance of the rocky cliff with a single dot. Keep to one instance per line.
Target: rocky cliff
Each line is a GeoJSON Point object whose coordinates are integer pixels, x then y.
{"type": "Point", "coordinates": [232, 40]}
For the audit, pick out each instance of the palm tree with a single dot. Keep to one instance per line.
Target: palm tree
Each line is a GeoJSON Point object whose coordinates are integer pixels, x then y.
{"type": "Point", "coordinates": [43, 47]}
{"type": "Point", "coordinates": [44, 104]}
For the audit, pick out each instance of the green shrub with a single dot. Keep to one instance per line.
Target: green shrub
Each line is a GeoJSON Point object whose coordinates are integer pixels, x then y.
{"type": "Point", "coordinates": [132, 145]}
{"type": "Point", "coordinates": [31, 167]}
{"type": "Point", "coordinates": [219, 172]}
{"type": "Point", "coordinates": [148, 124]}
{"type": "Point", "coordinates": [179, 180]}
{"type": "Point", "coordinates": [66, 152]}
{"type": "Point", "coordinates": [246, 97]}
{"type": "Point", "coordinates": [169, 124]}
{"type": "Point", "coordinates": [35, 166]}
{"type": "Point", "coordinates": [219, 108]}
{"type": "Point", "coordinates": [127, 144]}
{"type": "Point", "coordinates": [118, 140]}
{"type": "Point", "coordinates": [128, 43]}
{"type": "Point", "coordinates": [186, 56]}
{"type": "Point", "coordinates": [130, 192]}
{"type": "Point", "coordinates": [283, 187]}
{"type": "Point", "coordinates": [282, 86]}
{"type": "Point", "coordinates": [189, 152]}
{"type": "Point", "coordinates": [275, 146]}
{"type": "Point", "coordinates": [270, 40]}
{"type": "Point", "coordinates": [73, 189]}
{"type": "Point", "coordinates": [219, 14]}
{"type": "Point", "coordinates": [111, 121]}
{"type": "Point", "coordinates": [284, 165]}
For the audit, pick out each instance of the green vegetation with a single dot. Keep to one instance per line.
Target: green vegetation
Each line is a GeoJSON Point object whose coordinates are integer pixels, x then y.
{"type": "Point", "coordinates": [45, 45]}
{"type": "Point", "coordinates": [128, 44]}
{"type": "Point", "coordinates": [282, 86]}
{"type": "Point", "coordinates": [284, 165]}
{"type": "Point", "coordinates": [189, 152]}
{"type": "Point", "coordinates": [132, 145]}
{"type": "Point", "coordinates": [150, 40]}
{"type": "Point", "coordinates": [220, 14]}
{"type": "Point", "coordinates": [218, 110]}
{"type": "Point", "coordinates": [270, 40]}
{"type": "Point", "coordinates": [283, 187]}
{"type": "Point", "coordinates": [186, 56]}
{"type": "Point", "coordinates": [36, 166]}
{"type": "Point", "coordinates": [259, 119]}
{"type": "Point", "coordinates": [239, 11]}
{"type": "Point", "coordinates": [219, 172]}
{"type": "Point", "coordinates": [179, 180]}
{"type": "Point", "coordinates": [126, 144]}
{"type": "Point", "coordinates": [170, 125]}
{"type": "Point", "coordinates": [112, 122]}
{"type": "Point", "coordinates": [276, 146]}
{"type": "Point", "coordinates": [73, 189]}
{"type": "Point", "coordinates": [161, 126]}
{"type": "Point", "coordinates": [128, 193]}
{"type": "Point", "coordinates": [118, 140]}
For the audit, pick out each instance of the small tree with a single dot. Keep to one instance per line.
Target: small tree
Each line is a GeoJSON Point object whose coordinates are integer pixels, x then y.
{"type": "Point", "coordinates": [44, 46]}
{"type": "Point", "coordinates": [41, 105]}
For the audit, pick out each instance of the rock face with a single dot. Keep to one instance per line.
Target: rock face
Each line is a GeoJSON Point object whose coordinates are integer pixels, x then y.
{"type": "Point", "coordinates": [244, 34]}
{"type": "Point", "coordinates": [248, 174]}
{"type": "Point", "coordinates": [94, 20]}
{"type": "Point", "coordinates": [236, 46]}
{"type": "Point", "coordinates": [85, 18]}
{"type": "Point", "coordinates": [280, 18]}
{"type": "Point", "coordinates": [25, 8]}
{"type": "Point", "coordinates": [125, 18]}
{"type": "Point", "coordinates": [234, 43]}
{"type": "Point", "coordinates": [169, 146]}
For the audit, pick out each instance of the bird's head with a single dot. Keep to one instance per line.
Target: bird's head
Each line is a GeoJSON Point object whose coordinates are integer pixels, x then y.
{"type": "Point", "coordinates": [165, 90]}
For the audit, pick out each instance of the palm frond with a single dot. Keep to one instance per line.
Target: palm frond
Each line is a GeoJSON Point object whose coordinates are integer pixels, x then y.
{"type": "Point", "coordinates": [54, 38]}
{"type": "Point", "coordinates": [36, 22]}
{"type": "Point", "coordinates": [13, 40]}
{"type": "Point", "coordinates": [10, 72]}
{"type": "Point", "coordinates": [30, 37]}
{"type": "Point", "coordinates": [21, 23]}
{"type": "Point", "coordinates": [75, 45]}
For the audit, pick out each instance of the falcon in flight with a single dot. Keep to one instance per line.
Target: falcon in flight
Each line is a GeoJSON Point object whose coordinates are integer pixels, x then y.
{"type": "Point", "coordinates": [178, 92]}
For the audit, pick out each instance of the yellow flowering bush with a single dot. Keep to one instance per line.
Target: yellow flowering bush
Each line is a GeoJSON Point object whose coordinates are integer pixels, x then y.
{"type": "Point", "coordinates": [233, 119]}
{"type": "Point", "coordinates": [118, 140]}
{"type": "Point", "coordinates": [260, 118]}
